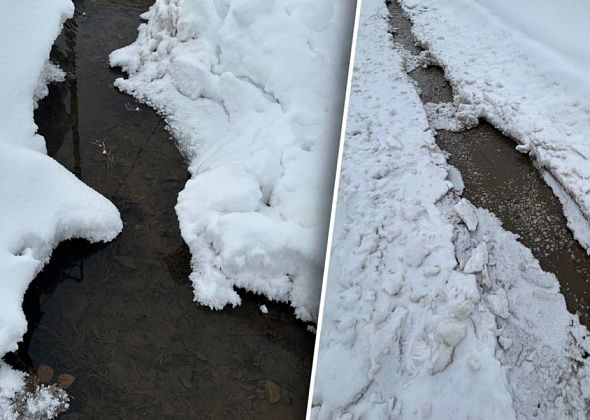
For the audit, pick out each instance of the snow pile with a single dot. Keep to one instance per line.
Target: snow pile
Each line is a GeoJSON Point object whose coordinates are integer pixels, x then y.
{"type": "Point", "coordinates": [41, 203]}
{"type": "Point", "coordinates": [432, 309]}
{"type": "Point", "coordinates": [253, 92]}
{"type": "Point", "coordinates": [524, 67]}
{"type": "Point", "coordinates": [22, 400]}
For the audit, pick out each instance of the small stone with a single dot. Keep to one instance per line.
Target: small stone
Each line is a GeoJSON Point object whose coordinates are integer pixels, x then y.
{"type": "Point", "coordinates": [44, 374]}
{"type": "Point", "coordinates": [65, 380]}
{"type": "Point", "coordinates": [273, 391]}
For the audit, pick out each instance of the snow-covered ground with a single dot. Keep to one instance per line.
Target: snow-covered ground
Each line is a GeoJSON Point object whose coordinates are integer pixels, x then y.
{"type": "Point", "coordinates": [431, 308]}
{"type": "Point", "coordinates": [41, 203]}
{"type": "Point", "coordinates": [252, 90]}
{"type": "Point", "coordinates": [523, 65]}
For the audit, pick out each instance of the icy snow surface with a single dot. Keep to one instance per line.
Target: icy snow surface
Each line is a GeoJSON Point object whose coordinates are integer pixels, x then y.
{"type": "Point", "coordinates": [253, 91]}
{"type": "Point", "coordinates": [523, 65]}
{"type": "Point", "coordinates": [432, 309]}
{"type": "Point", "coordinates": [41, 203]}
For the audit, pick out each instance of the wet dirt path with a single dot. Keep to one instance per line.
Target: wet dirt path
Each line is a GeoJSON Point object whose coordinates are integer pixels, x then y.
{"type": "Point", "coordinates": [120, 316]}
{"type": "Point", "coordinates": [499, 178]}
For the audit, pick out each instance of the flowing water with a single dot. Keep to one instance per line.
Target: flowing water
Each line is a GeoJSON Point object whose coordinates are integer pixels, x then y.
{"type": "Point", "coordinates": [500, 179]}
{"type": "Point", "coordinates": [120, 316]}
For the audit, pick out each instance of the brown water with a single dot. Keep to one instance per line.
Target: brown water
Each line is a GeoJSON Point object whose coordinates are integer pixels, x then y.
{"type": "Point", "coordinates": [499, 178]}
{"type": "Point", "coordinates": [120, 316]}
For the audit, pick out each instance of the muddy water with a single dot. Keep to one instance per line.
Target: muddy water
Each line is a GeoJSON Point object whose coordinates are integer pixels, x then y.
{"type": "Point", "coordinates": [120, 317]}
{"type": "Point", "coordinates": [499, 178]}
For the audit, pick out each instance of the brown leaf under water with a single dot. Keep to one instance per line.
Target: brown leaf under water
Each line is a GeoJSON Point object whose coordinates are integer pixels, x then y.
{"type": "Point", "coordinates": [273, 391]}
{"type": "Point", "coordinates": [44, 373]}
{"type": "Point", "coordinates": [65, 380]}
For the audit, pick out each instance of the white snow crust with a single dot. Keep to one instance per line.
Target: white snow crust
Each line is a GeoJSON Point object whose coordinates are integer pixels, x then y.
{"type": "Point", "coordinates": [432, 309]}
{"type": "Point", "coordinates": [252, 90]}
{"type": "Point", "coordinates": [41, 203]}
{"type": "Point", "coordinates": [523, 66]}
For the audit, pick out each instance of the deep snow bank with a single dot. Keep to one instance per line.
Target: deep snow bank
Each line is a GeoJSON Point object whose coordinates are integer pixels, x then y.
{"type": "Point", "coordinates": [524, 67]}
{"type": "Point", "coordinates": [253, 92]}
{"type": "Point", "coordinates": [41, 203]}
{"type": "Point", "coordinates": [432, 309]}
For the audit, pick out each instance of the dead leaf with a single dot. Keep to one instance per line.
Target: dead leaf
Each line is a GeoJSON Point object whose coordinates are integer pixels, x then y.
{"type": "Point", "coordinates": [44, 374]}
{"type": "Point", "coordinates": [65, 380]}
{"type": "Point", "coordinates": [273, 391]}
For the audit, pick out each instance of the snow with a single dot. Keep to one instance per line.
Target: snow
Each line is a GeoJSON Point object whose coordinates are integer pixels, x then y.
{"type": "Point", "coordinates": [467, 213]}
{"type": "Point", "coordinates": [523, 66]}
{"type": "Point", "coordinates": [478, 259]}
{"type": "Point", "coordinates": [252, 90]}
{"type": "Point", "coordinates": [18, 401]}
{"type": "Point", "coordinates": [41, 203]}
{"type": "Point", "coordinates": [431, 308]}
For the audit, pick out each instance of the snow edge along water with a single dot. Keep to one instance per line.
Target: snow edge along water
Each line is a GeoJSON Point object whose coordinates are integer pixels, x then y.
{"type": "Point", "coordinates": [552, 136]}
{"type": "Point", "coordinates": [41, 202]}
{"type": "Point", "coordinates": [258, 124]}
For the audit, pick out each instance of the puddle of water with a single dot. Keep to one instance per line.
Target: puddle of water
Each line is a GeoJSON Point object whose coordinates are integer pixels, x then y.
{"type": "Point", "coordinates": [120, 316]}
{"type": "Point", "coordinates": [499, 178]}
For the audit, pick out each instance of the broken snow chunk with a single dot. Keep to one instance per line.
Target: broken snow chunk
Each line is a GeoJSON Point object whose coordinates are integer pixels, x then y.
{"type": "Point", "coordinates": [263, 309]}
{"type": "Point", "coordinates": [441, 358]}
{"type": "Point", "coordinates": [485, 278]}
{"type": "Point", "coordinates": [478, 259]}
{"type": "Point", "coordinates": [498, 305]}
{"type": "Point", "coordinates": [456, 116]}
{"type": "Point", "coordinates": [456, 179]}
{"type": "Point", "coordinates": [431, 271]}
{"type": "Point", "coordinates": [450, 331]}
{"type": "Point", "coordinates": [505, 342]}
{"type": "Point", "coordinates": [462, 293]}
{"type": "Point", "coordinates": [468, 214]}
